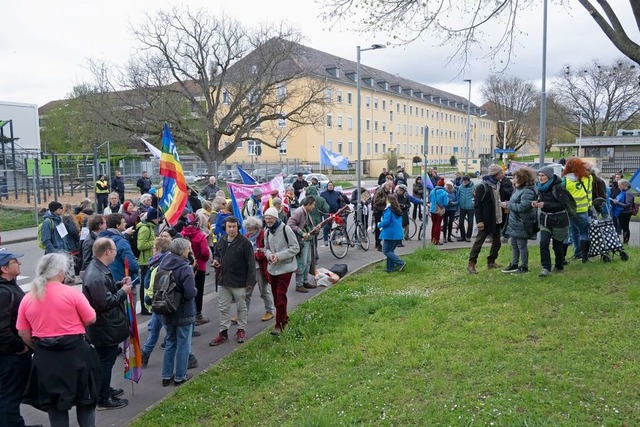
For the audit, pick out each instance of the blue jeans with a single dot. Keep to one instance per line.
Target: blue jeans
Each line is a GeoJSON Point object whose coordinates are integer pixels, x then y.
{"type": "Point", "coordinates": [14, 374]}
{"type": "Point", "coordinates": [176, 352]}
{"type": "Point", "coordinates": [519, 251]}
{"type": "Point", "coordinates": [154, 327]}
{"type": "Point", "coordinates": [304, 263]}
{"type": "Point", "coordinates": [393, 261]}
{"type": "Point", "coordinates": [578, 230]}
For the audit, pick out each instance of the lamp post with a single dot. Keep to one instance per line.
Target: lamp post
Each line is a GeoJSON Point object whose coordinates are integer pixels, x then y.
{"type": "Point", "coordinates": [504, 137]}
{"type": "Point", "coordinates": [359, 125]}
{"type": "Point", "coordinates": [466, 154]}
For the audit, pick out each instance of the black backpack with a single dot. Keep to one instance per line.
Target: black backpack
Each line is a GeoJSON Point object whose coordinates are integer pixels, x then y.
{"type": "Point", "coordinates": [166, 294]}
{"type": "Point", "coordinates": [134, 243]}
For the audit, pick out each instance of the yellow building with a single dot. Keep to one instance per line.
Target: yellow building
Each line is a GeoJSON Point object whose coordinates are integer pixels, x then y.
{"type": "Point", "coordinates": [394, 112]}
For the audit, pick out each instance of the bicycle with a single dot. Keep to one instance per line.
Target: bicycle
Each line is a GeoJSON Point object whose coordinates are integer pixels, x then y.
{"type": "Point", "coordinates": [339, 240]}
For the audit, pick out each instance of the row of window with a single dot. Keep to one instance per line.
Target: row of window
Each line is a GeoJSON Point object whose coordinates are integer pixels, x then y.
{"type": "Point", "coordinates": [408, 149]}
{"type": "Point", "coordinates": [253, 145]}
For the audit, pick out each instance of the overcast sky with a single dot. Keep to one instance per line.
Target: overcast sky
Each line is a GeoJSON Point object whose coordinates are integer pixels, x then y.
{"type": "Point", "coordinates": [45, 45]}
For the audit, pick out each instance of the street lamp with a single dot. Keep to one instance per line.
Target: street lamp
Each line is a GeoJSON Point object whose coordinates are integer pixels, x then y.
{"type": "Point", "coordinates": [359, 126]}
{"type": "Point", "coordinates": [466, 154]}
{"type": "Point", "coordinates": [504, 138]}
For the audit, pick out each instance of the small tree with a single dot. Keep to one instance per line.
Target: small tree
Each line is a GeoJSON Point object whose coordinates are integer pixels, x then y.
{"type": "Point", "coordinates": [453, 160]}
{"type": "Point", "coordinates": [392, 160]}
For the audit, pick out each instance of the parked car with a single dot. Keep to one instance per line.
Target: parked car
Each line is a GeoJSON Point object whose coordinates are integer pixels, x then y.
{"type": "Point", "coordinates": [265, 175]}
{"type": "Point", "coordinates": [557, 167]}
{"type": "Point", "coordinates": [323, 180]}
{"type": "Point", "coordinates": [191, 177]}
{"type": "Point", "coordinates": [230, 175]}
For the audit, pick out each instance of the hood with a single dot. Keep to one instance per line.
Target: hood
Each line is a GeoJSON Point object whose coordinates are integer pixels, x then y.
{"type": "Point", "coordinates": [156, 259]}
{"type": "Point", "coordinates": [312, 191]}
{"type": "Point", "coordinates": [53, 217]}
{"type": "Point", "coordinates": [109, 232]}
{"type": "Point", "coordinates": [193, 233]}
{"type": "Point", "coordinates": [571, 177]}
{"type": "Point", "coordinates": [172, 261]}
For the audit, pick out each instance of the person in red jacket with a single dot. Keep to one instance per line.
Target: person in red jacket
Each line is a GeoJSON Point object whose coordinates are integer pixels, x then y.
{"type": "Point", "coordinates": [201, 253]}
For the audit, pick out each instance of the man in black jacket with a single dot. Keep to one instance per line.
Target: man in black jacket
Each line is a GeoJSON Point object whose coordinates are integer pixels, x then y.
{"type": "Point", "coordinates": [489, 218]}
{"type": "Point", "coordinates": [234, 260]}
{"type": "Point", "coordinates": [111, 326]}
{"type": "Point", "coordinates": [15, 356]}
{"type": "Point", "coordinates": [144, 183]}
{"type": "Point", "coordinates": [117, 185]}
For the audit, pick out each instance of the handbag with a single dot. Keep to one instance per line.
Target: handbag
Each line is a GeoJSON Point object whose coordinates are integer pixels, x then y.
{"type": "Point", "coordinates": [439, 210]}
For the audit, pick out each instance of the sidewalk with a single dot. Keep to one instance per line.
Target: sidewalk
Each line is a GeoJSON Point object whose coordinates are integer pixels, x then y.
{"type": "Point", "coordinates": [19, 236]}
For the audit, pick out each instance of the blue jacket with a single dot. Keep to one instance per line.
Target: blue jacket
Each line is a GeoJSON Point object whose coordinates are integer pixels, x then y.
{"type": "Point", "coordinates": [465, 196]}
{"type": "Point", "coordinates": [50, 236]}
{"type": "Point", "coordinates": [333, 198]}
{"type": "Point", "coordinates": [452, 206]}
{"type": "Point", "coordinates": [625, 201]}
{"type": "Point", "coordinates": [391, 225]}
{"type": "Point", "coordinates": [123, 249]}
{"type": "Point", "coordinates": [438, 196]}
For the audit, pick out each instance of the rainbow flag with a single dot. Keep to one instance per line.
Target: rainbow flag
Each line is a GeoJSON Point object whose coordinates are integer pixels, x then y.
{"type": "Point", "coordinates": [131, 346]}
{"type": "Point", "coordinates": [174, 186]}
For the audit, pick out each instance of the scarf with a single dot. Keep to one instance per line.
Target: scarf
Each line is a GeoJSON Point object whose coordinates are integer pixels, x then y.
{"type": "Point", "coordinates": [544, 187]}
{"type": "Point", "coordinates": [495, 188]}
{"type": "Point", "coordinates": [275, 226]}
{"type": "Point", "coordinates": [253, 238]}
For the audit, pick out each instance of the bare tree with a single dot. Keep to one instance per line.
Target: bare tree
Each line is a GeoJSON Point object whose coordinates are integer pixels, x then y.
{"type": "Point", "coordinates": [216, 82]}
{"type": "Point", "coordinates": [463, 23]}
{"type": "Point", "coordinates": [512, 102]}
{"type": "Point", "coordinates": [604, 97]}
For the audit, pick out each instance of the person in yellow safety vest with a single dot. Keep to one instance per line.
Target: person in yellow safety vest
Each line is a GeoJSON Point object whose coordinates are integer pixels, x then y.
{"type": "Point", "coordinates": [579, 183]}
{"type": "Point", "coordinates": [102, 194]}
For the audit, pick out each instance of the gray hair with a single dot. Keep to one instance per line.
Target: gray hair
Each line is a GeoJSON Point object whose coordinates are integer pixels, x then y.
{"type": "Point", "coordinates": [624, 182]}
{"type": "Point", "coordinates": [114, 194]}
{"type": "Point", "coordinates": [49, 267]}
{"type": "Point", "coordinates": [178, 246]}
{"type": "Point", "coordinates": [253, 222]}
{"type": "Point", "coordinates": [277, 201]}
{"type": "Point", "coordinates": [145, 196]}
{"type": "Point", "coordinates": [219, 202]}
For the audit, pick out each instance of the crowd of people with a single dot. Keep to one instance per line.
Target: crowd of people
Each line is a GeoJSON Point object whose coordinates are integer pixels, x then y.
{"type": "Point", "coordinates": [128, 249]}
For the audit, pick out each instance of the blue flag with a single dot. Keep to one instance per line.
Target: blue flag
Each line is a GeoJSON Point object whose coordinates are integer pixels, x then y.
{"type": "Point", "coordinates": [333, 160]}
{"type": "Point", "coordinates": [427, 182]}
{"type": "Point", "coordinates": [236, 210]}
{"type": "Point", "coordinates": [634, 182]}
{"type": "Point", "coordinates": [246, 178]}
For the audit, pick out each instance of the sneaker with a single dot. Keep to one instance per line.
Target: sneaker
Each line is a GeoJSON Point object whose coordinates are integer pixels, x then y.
{"type": "Point", "coordinates": [309, 286]}
{"type": "Point", "coordinates": [221, 338]}
{"type": "Point", "coordinates": [400, 245]}
{"type": "Point", "coordinates": [325, 244]}
{"type": "Point", "coordinates": [162, 345]}
{"type": "Point", "coordinates": [544, 273]}
{"type": "Point", "coordinates": [193, 362]}
{"type": "Point", "coordinates": [112, 404]}
{"type": "Point", "coordinates": [267, 316]}
{"type": "Point", "coordinates": [166, 382]}
{"type": "Point", "coordinates": [145, 360]}
{"type": "Point", "coordinates": [511, 268]}
{"type": "Point", "coordinates": [115, 392]}
{"type": "Point", "coordinates": [301, 289]}
{"type": "Point", "coordinates": [521, 270]}
{"type": "Point", "coordinates": [461, 239]}
{"type": "Point", "coordinates": [558, 269]}
{"type": "Point", "coordinates": [195, 333]}
{"type": "Point", "coordinates": [240, 336]}
{"type": "Point", "coordinates": [201, 320]}
{"type": "Point", "coordinates": [402, 266]}
{"type": "Point", "coordinates": [492, 265]}
{"type": "Point", "coordinates": [186, 378]}
{"type": "Point", "coordinates": [276, 331]}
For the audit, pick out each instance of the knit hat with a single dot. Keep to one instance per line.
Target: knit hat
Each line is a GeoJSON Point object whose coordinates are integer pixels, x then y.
{"type": "Point", "coordinates": [547, 170]}
{"type": "Point", "coordinates": [494, 170]}
{"type": "Point", "coordinates": [440, 182]}
{"type": "Point", "coordinates": [274, 192]}
{"type": "Point", "coordinates": [152, 190]}
{"type": "Point", "coordinates": [271, 212]}
{"type": "Point", "coordinates": [257, 191]}
{"type": "Point", "coordinates": [54, 206]}
{"type": "Point", "coordinates": [152, 213]}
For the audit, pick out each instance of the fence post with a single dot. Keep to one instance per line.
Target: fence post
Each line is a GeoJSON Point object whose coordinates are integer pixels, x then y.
{"type": "Point", "coordinates": [54, 169]}
{"type": "Point", "coordinates": [84, 172]}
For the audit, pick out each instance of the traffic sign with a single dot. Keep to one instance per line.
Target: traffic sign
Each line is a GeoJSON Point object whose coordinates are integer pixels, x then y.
{"type": "Point", "coordinates": [504, 151]}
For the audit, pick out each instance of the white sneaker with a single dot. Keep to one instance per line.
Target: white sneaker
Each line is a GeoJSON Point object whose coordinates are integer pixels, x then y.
{"type": "Point", "coordinates": [325, 244]}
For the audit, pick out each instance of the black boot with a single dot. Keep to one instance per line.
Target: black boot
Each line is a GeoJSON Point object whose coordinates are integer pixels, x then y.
{"type": "Point", "coordinates": [625, 237]}
{"type": "Point", "coordinates": [565, 248]}
{"type": "Point", "coordinates": [584, 247]}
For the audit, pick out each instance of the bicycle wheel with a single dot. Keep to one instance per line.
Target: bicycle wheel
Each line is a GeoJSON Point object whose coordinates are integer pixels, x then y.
{"type": "Point", "coordinates": [339, 243]}
{"type": "Point", "coordinates": [455, 230]}
{"type": "Point", "coordinates": [363, 237]}
{"type": "Point", "coordinates": [412, 228]}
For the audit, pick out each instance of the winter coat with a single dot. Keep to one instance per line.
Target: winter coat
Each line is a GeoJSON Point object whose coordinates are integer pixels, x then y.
{"type": "Point", "coordinates": [237, 262]}
{"type": "Point", "coordinates": [50, 236]}
{"type": "Point", "coordinates": [73, 237]}
{"type": "Point", "coordinates": [484, 207]}
{"type": "Point", "coordinates": [10, 296]}
{"type": "Point", "coordinates": [553, 213]}
{"type": "Point", "coordinates": [418, 190]}
{"type": "Point", "coordinates": [452, 205]}
{"type": "Point", "coordinates": [379, 202]}
{"type": "Point", "coordinates": [145, 240]}
{"type": "Point", "coordinates": [209, 191]}
{"type": "Point", "coordinates": [199, 245]}
{"type": "Point", "coordinates": [107, 299]}
{"type": "Point", "coordinates": [131, 218]}
{"type": "Point", "coordinates": [438, 196]}
{"type": "Point", "coordinates": [391, 225]}
{"type": "Point", "coordinates": [625, 200]}
{"type": "Point", "coordinates": [275, 243]}
{"type": "Point", "coordinates": [261, 259]}
{"type": "Point", "coordinates": [335, 199]}
{"type": "Point", "coordinates": [521, 211]}
{"type": "Point", "coordinates": [219, 229]}
{"type": "Point", "coordinates": [87, 249]}
{"type": "Point", "coordinates": [123, 249]}
{"type": "Point", "coordinates": [183, 275]}
{"type": "Point", "coordinates": [465, 196]}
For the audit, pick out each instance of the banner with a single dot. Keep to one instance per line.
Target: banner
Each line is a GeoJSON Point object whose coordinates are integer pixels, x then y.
{"type": "Point", "coordinates": [333, 160]}
{"type": "Point", "coordinates": [174, 185]}
{"type": "Point", "coordinates": [156, 153]}
{"type": "Point", "coordinates": [241, 192]}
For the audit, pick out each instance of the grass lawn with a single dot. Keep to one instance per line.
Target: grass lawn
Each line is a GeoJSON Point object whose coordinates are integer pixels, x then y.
{"type": "Point", "coordinates": [435, 346]}
{"type": "Point", "coordinates": [13, 219]}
